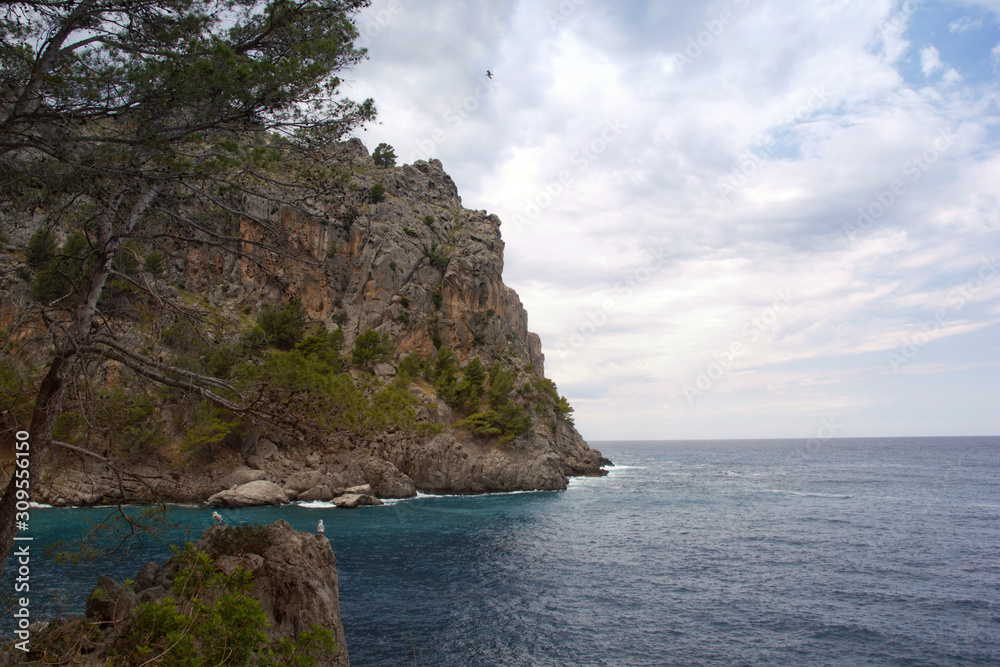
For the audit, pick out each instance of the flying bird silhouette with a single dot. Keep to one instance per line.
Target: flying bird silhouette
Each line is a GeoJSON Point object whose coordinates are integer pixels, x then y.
{"type": "Point", "coordinates": [489, 74]}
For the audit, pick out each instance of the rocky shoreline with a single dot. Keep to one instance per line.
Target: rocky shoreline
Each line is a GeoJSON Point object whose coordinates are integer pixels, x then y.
{"type": "Point", "coordinates": [393, 465]}
{"type": "Point", "coordinates": [414, 268]}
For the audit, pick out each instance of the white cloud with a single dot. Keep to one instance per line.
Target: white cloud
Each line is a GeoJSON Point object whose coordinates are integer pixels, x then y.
{"type": "Point", "coordinates": [789, 155]}
{"type": "Point", "coordinates": [965, 24]}
{"type": "Point", "coordinates": [930, 60]}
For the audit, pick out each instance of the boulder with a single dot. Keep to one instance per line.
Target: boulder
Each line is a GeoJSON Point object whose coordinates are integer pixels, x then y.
{"type": "Point", "coordinates": [303, 481]}
{"type": "Point", "coordinates": [295, 578]}
{"type": "Point", "coordinates": [361, 489]}
{"type": "Point", "coordinates": [318, 492]}
{"type": "Point", "coordinates": [110, 602]}
{"type": "Point", "coordinates": [241, 476]}
{"type": "Point", "coordinates": [352, 500]}
{"type": "Point", "coordinates": [385, 479]}
{"type": "Point", "coordinates": [250, 494]}
{"type": "Point", "coordinates": [384, 370]}
{"type": "Point", "coordinates": [265, 449]}
{"type": "Point", "coordinates": [147, 576]}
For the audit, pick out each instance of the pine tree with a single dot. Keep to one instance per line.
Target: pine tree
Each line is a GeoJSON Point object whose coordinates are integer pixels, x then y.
{"type": "Point", "coordinates": [125, 119]}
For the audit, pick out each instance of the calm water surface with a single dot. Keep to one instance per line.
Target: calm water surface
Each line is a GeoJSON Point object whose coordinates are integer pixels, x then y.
{"type": "Point", "coordinates": [863, 551]}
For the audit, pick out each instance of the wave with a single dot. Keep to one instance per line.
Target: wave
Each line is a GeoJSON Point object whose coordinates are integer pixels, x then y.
{"type": "Point", "coordinates": [807, 493]}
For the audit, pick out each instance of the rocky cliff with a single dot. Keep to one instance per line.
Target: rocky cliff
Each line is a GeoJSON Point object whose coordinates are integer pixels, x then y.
{"type": "Point", "coordinates": [389, 250]}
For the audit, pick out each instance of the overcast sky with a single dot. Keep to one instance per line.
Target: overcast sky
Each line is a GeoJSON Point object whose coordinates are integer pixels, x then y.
{"type": "Point", "coordinates": [731, 219]}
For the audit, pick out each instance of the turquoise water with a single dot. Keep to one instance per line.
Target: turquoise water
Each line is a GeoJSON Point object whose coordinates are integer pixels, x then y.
{"type": "Point", "coordinates": [853, 552]}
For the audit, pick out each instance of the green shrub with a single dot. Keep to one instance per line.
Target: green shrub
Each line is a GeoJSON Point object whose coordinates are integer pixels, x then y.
{"type": "Point", "coordinates": [211, 425]}
{"type": "Point", "coordinates": [564, 409]}
{"type": "Point", "coordinates": [240, 540]}
{"type": "Point", "coordinates": [445, 374]}
{"type": "Point", "coordinates": [470, 388]}
{"type": "Point", "coordinates": [326, 345]}
{"type": "Point", "coordinates": [437, 299]}
{"type": "Point", "coordinates": [41, 248]}
{"type": "Point", "coordinates": [154, 264]}
{"type": "Point", "coordinates": [371, 348]}
{"type": "Point", "coordinates": [384, 156]}
{"type": "Point", "coordinates": [376, 193]}
{"type": "Point", "coordinates": [283, 326]}
{"type": "Point", "coordinates": [508, 422]}
{"type": "Point", "coordinates": [501, 384]}
{"type": "Point", "coordinates": [56, 279]}
{"type": "Point", "coordinates": [212, 619]}
{"type": "Point", "coordinates": [429, 220]}
{"type": "Point", "coordinates": [437, 260]}
{"type": "Point", "coordinates": [412, 366]}
{"type": "Point", "coordinates": [409, 232]}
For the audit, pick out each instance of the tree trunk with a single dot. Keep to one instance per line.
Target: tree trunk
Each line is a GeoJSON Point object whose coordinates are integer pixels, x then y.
{"type": "Point", "coordinates": [48, 401]}
{"type": "Point", "coordinates": [48, 405]}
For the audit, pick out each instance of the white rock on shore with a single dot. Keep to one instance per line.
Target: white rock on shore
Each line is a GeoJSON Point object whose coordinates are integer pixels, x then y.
{"type": "Point", "coordinates": [251, 494]}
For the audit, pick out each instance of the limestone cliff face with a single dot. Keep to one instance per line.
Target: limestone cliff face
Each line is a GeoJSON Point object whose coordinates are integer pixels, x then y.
{"type": "Point", "coordinates": [416, 266]}
{"type": "Point", "coordinates": [365, 265]}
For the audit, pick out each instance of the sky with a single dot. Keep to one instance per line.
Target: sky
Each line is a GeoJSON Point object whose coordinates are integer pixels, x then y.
{"type": "Point", "coordinates": [728, 219]}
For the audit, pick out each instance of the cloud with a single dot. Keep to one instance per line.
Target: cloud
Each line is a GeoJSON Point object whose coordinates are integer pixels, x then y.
{"type": "Point", "coordinates": [930, 60]}
{"type": "Point", "coordinates": [654, 206]}
{"type": "Point", "coordinates": [965, 24]}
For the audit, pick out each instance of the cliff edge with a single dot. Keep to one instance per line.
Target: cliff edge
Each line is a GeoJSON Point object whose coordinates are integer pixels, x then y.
{"type": "Point", "coordinates": [391, 283]}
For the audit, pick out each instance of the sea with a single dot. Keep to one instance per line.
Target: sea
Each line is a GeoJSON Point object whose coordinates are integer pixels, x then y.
{"type": "Point", "coordinates": [869, 551]}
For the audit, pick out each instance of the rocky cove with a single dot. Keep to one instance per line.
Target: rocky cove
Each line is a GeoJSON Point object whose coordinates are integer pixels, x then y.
{"type": "Point", "coordinates": [411, 265]}
{"type": "Point", "coordinates": [383, 252]}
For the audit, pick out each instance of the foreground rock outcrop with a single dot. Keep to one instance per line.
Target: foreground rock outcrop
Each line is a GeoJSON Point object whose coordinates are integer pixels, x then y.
{"type": "Point", "coordinates": [294, 579]}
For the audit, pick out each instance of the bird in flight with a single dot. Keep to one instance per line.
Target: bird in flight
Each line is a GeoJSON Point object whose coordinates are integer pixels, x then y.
{"type": "Point", "coordinates": [489, 74]}
{"type": "Point", "coordinates": [217, 517]}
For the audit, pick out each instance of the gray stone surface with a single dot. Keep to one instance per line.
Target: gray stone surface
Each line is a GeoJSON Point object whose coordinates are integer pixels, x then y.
{"type": "Point", "coordinates": [249, 495]}
{"type": "Point", "coordinates": [353, 500]}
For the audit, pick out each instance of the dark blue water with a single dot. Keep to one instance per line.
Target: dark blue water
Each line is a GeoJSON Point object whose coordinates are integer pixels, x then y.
{"type": "Point", "coordinates": [852, 552]}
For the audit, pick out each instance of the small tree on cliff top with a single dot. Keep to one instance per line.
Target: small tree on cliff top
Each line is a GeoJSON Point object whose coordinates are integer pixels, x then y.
{"type": "Point", "coordinates": [127, 121]}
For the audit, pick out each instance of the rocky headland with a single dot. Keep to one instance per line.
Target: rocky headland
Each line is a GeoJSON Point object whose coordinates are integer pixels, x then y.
{"type": "Point", "coordinates": [365, 248]}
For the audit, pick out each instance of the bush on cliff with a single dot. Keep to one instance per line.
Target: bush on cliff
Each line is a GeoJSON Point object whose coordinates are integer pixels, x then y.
{"type": "Point", "coordinates": [384, 155]}
{"type": "Point", "coordinates": [508, 422]}
{"type": "Point", "coordinates": [371, 348]}
{"type": "Point", "coordinates": [212, 619]}
{"type": "Point", "coordinates": [283, 326]}
{"type": "Point", "coordinates": [470, 388]}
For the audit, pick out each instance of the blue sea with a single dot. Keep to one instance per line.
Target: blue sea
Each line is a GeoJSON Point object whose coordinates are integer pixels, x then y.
{"type": "Point", "coordinates": [751, 552]}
